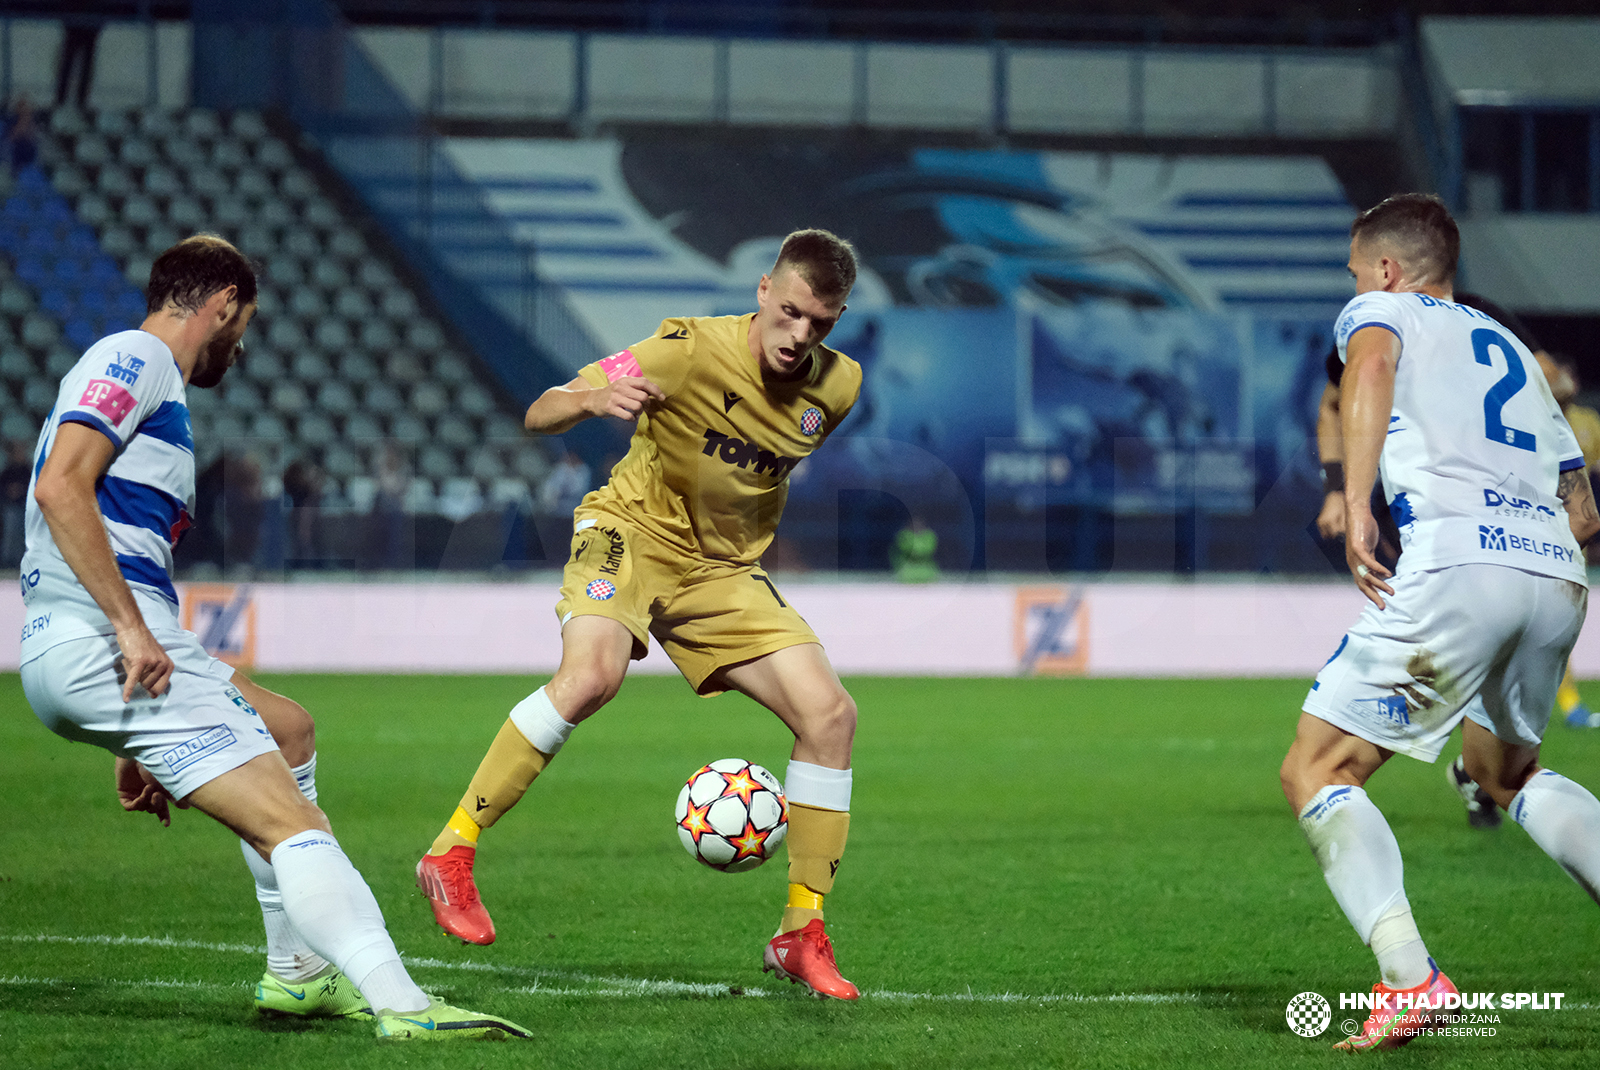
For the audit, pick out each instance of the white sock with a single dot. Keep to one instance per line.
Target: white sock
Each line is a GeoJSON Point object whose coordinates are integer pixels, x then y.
{"type": "Point", "coordinates": [333, 909]}
{"type": "Point", "coordinates": [1361, 862]}
{"type": "Point", "coordinates": [1402, 956]}
{"type": "Point", "coordinates": [1564, 820]}
{"type": "Point", "coordinates": [536, 718]}
{"type": "Point", "coordinates": [817, 785]}
{"type": "Point", "coordinates": [288, 955]}
{"type": "Point", "coordinates": [305, 776]}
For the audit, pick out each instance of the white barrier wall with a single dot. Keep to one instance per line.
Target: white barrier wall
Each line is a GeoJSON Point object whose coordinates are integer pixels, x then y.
{"type": "Point", "coordinates": [1102, 629]}
{"type": "Point", "coordinates": [1096, 629]}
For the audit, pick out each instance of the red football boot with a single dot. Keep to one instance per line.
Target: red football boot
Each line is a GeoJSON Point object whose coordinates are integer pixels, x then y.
{"type": "Point", "coordinates": [805, 956]}
{"type": "Point", "coordinates": [1391, 1025]}
{"type": "Point", "coordinates": [447, 882]}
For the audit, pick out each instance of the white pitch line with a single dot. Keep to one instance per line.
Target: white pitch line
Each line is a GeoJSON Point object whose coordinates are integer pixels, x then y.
{"type": "Point", "coordinates": [601, 985]}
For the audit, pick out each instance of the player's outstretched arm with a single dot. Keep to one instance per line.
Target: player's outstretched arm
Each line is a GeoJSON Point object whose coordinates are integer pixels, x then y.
{"type": "Point", "coordinates": [78, 458]}
{"type": "Point", "coordinates": [561, 408]}
{"type": "Point", "coordinates": [1366, 400]}
{"type": "Point", "coordinates": [1576, 493]}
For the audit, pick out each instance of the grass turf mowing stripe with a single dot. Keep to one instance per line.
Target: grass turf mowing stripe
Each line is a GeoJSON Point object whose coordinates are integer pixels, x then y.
{"type": "Point", "coordinates": [608, 986]}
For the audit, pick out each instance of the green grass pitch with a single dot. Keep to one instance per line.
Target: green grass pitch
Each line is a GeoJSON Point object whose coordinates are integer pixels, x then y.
{"type": "Point", "coordinates": [1041, 873]}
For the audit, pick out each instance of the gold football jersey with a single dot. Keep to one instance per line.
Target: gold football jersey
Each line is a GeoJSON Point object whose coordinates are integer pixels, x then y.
{"type": "Point", "coordinates": [708, 468]}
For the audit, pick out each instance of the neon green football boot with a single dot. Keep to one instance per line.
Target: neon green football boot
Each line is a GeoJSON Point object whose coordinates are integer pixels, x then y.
{"type": "Point", "coordinates": [327, 995]}
{"type": "Point", "coordinates": [440, 1021]}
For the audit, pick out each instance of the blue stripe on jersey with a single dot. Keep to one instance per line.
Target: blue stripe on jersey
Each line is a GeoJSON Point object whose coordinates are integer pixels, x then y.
{"type": "Point", "coordinates": [139, 505]}
{"type": "Point", "coordinates": [1569, 465]}
{"type": "Point", "coordinates": [170, 423]}
{"type": "Point", "coordinates": [136, 569]}
{"type": "Point", "coordinates": [1373, 323]}
{"type": "Point", "coordinates": [89, 419]}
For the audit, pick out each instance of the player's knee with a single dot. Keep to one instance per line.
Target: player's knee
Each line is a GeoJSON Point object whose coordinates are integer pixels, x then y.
{"type": "Point", "coordinates": [589, 688]}
{"type": "Point", "coordinates": [295, 733]}
{"type": "Point", "coordinates": [834, 722]}
{"type": "Point", "coordinates": [1291, 778]}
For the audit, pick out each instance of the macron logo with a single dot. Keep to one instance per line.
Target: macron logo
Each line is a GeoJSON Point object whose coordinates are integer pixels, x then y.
{"type": "Point", "coordinates": [109, 399]}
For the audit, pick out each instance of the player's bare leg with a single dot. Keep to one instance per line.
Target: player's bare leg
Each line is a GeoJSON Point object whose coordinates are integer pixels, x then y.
{"type": "Point", "coordinates": [799, 685]}
{"type": "Point", "coordinates": [1323, 777]}
{"type": "Point", "coordinates": [594, 660]}
{"type": "Point", "coordinates": [1561, 815]}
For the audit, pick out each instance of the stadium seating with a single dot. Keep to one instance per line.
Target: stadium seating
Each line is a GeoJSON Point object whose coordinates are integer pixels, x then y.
{"type": "Point", "coordinates": [344, 356]}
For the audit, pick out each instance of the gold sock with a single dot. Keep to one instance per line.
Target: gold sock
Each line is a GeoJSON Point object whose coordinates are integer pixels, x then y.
{"type": "Point", "coordinates": [816, 843]}
{"type": "Point", "coordinates": [1567, 697]}
{"type": "Point", "coordinates": [504, 774]}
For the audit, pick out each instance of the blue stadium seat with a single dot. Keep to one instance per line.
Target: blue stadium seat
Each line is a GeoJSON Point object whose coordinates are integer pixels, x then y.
{"type": "Point", "coordinates": [83, 333]}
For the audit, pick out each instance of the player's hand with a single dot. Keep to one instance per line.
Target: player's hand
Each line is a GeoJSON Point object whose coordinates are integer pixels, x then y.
{"type": "Point", "coordinates": [139, 792]}
{"type": "Point", "coordinates": [1361, 537]}
{"type": "Point", "coordinates": [625, 398]}
{"type": "Point", "coordinates": [144, 663]}
{"type": "Point", "coordinates": [1330, 522]}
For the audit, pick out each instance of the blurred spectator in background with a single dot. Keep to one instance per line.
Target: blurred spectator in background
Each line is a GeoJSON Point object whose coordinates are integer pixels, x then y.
{"type": "Point", "coordinates": [228, 514]}
{"type": "Point", "coordinates": [303, 481]}
{"type": "Point", "coordinates": [242, 509]}
{"type": "Point", "coordinates": [22, 137]}
{"type": "Point", "coordinates": [389, 509]}
{"type": "Point", "coordinates": [565, 487]}
{"type": "Point", "coordinates": [913, 552]}
{"type": "Point", "coordinates": [77, 57]}
{"type": "Point", "coordinates": [13, 500]}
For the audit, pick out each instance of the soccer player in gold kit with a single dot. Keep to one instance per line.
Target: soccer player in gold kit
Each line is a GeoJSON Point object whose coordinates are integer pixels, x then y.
{"type": "Point", "coordinates": [671, 547]}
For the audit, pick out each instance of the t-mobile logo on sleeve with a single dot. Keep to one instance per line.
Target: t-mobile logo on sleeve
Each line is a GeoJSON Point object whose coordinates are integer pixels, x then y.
{"type": "Point", "coordinates": [109, 399]}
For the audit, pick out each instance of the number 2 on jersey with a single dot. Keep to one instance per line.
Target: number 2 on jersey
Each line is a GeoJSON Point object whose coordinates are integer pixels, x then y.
{"type": "Point", "coordinates": [1494, 429]}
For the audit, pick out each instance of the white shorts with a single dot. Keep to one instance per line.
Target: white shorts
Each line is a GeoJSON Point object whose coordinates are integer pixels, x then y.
{"type": "Point", "coordinates": [199, 729]}
{"type": "Point", "coordinates": [1488, 642]}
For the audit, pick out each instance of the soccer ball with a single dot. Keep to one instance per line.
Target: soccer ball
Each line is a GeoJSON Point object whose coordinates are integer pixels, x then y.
{"type": "Point", "coordinates": [732, 815]}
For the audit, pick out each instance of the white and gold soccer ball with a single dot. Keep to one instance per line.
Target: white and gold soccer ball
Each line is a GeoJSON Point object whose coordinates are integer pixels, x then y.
{"type": "Point", "coordinates": [732, 815]}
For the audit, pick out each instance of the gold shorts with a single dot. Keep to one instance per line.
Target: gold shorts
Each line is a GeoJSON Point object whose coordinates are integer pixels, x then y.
{"type": "Point", "coordinates": [707, 615]}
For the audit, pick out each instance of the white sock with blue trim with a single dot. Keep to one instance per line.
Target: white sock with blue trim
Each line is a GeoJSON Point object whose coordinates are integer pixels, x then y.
{"type": "Point", "coordinates": [1563, 818]}
{"type": "Point", "coordinates": [333, 909]}
{"type": "Point", "coordinates": [1360, 860]}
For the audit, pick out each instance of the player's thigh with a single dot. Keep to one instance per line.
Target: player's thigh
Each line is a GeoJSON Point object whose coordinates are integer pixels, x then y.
{"type": "Point", "coordinates": [1404, 674]}
{"type": "Point", "coordinates": [1324, 754]}
{"type": "Point", "coordinates": [722, 616]}
{"type": "Point", "coordinates": [198, 729]}
{"type": "Point", "coordinates": [1521, 687]}
{"type": "Point", "coordinates": [260, 802]}
{"type": "Point", "coordinates": [288, 721]}
{"type": "Point", "coordinates": [612, 572]}
{"type": "Point", "coordinates": [798, 684]}
{"type": "Point", "coordinates": [595, 652]}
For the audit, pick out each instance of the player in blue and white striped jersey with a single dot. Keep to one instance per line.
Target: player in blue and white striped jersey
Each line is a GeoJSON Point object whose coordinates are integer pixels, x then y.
{"type": "Point", "coordinates": [105, 661]}
{"type": "Point", "coordinates": [1477, 620]}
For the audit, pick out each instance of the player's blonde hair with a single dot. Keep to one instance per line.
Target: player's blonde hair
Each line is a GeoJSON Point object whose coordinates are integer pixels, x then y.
{"type": "Point", "coordinates": [823, 259]}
